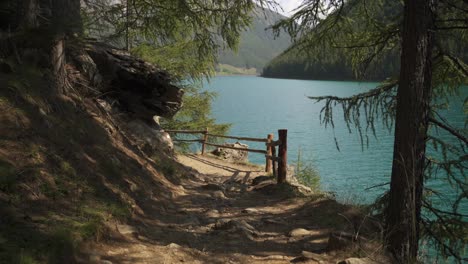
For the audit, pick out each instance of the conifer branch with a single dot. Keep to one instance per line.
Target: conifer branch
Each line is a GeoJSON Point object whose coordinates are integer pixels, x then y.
{"type": "Point", "coordinates": [449, 129]}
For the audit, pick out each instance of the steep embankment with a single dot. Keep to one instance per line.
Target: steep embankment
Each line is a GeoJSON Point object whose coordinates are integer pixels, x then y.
{"type": "Point", "coordinates": [68, 172]}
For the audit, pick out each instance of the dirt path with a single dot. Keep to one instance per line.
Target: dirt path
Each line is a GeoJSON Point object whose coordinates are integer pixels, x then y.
{"type": "Point", "coordinates": [226, 216]}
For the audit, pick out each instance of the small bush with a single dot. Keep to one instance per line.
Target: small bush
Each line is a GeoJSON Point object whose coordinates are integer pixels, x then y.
{"type": "Point", "coordinates": [306, 173]}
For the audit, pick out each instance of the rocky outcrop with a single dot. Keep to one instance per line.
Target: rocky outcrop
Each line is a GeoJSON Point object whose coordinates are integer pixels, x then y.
{"type": "Point", "coordinates": [138, 87]}
{"type": "Point", "coordinates": [232, 155]}
{"type": "Point", "coordinates": [149, 138]}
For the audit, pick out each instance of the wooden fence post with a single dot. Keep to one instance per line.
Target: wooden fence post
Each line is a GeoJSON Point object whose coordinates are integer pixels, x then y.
{"type": "Point", "coordinates": [269, 152]}
{"type": "Point", "coordinates": [283, 155]}
{"type": "Point", "coordinates": [273, 153]}
{"type": "Point", "coordinates": [205, 139]}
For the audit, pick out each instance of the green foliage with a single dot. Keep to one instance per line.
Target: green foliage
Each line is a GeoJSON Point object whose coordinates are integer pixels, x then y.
{"type": "Point", "coordinates": [195, 114]}
{"type": "Point", "coordinates": [357, 41]}
{"type": "Point", "coordinates": [196, 111]}
{"type": "Point", "coordinates": [180, 59]}
{"type": "Point", "coordinates": [206, 26]}
{"type": "Point", "coordinates": [307, 173]}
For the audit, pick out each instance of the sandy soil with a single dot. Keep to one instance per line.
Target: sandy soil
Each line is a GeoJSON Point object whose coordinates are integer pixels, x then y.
{"type": "Point", "coordinates": [223, 217]}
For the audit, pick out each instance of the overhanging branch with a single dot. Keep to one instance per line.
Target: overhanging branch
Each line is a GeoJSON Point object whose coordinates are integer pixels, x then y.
{"type": "Point", "coordinates": [449, 129]}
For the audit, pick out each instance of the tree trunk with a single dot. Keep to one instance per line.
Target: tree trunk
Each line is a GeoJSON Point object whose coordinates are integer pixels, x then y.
{"type": "Point", "coordinates": [29, 14]}
{"type": "Point", "coordinates": [413, 109]}
{"type": "Point", "coordinates": [66, 24]}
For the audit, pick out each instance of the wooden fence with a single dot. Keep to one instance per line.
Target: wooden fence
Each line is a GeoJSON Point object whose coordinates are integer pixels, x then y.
{"type": "Point", "coordinates": [273, 162]}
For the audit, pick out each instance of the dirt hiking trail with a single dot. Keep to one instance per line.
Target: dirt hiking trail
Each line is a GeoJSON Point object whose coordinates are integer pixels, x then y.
{"type": "Point", "coordinates": [227, 213]}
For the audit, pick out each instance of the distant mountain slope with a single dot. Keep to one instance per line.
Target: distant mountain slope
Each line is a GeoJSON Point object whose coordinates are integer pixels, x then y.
{"type": "Point", "coordinates": [257, 46]}
{"type": "Point", "coordinates": [293, 65]}
{"type": "Point", "coordinates": [322, 60]}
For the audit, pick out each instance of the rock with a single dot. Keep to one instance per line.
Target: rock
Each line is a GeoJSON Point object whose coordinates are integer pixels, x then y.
{"type": "Point", "coordinates": [237, 227]}
{"type": "Point", "coordinates": [250, 211]}
{"type": "Point", "coordinates": [219, 195]}
{"type": "Point", "coordinates": [139, 87]}
{"type": "Point", "coordinates": [299, 232]}
{"type": "Point", "coordinates": [105, 105]}
{"type": "Point", "coordinates": [148, 137]}
{"type": "Point", "coordinates": [126, 229]}
{"type": "Point", "coordinates": [173, 246]}
{"type": "Point", "coordinates": [313, 256]}
{"type": "Point", "coordinates": [357, 261]}
{"type": "Point", "coordinates": [212, 213]}
{"type": "Point", "coordinates": [340, 240]}
{"type": "Point", "coordinates": [232, 155]}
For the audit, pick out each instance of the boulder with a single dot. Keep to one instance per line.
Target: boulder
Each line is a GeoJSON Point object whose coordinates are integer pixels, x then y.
{"type": "Point", "coordinates": [140, 88]}
{"type": "Point", "coordinates": [148, 137]}
{"type": "Point", "coordinates": [232, 155]}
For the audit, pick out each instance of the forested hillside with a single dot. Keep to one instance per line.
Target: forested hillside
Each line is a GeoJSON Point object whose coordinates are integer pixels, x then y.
{"type": "Point", "coordinates": [334, 60]}
{"type": "Point", "coordinates": [257, 44]}
{"type": "Point", "coordinates": [292, 65]}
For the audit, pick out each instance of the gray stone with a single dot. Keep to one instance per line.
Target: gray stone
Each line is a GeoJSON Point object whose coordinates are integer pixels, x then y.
{"type": "Point", "coordinates": [357, 261]}
{"type": "Point", "coordinates": [138, 86]}
{"type": "Point", "coordinates": [149, 137]}
{"type": "Point", "coordinates": [212, 213]}
{"type": "Point", "coordinates": [237, 227]}
{"type": "Point", "coordinates": [250, 211]}
{"type": "Point", "coordinates": [219, 195]}
{"type": "Point", "coordinates": [173, 246]}
{"type": "Point", "coordinates": [126, 229]}
{"type": "Point", "coordinates": [232, 155]}
{"type": "Point", "coordinates": [299, 232]}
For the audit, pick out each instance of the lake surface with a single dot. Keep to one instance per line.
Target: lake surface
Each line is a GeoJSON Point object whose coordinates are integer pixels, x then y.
{"type": "Point", "coordinates": [258, 106]}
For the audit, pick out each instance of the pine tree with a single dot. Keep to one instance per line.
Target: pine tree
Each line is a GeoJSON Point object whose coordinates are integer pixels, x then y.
{"type": "Point", "coordinates": [420, 30]}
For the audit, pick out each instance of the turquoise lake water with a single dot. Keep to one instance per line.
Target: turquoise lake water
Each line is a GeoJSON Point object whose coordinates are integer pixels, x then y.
{"type": "Point", "coordinates": [258, 106]}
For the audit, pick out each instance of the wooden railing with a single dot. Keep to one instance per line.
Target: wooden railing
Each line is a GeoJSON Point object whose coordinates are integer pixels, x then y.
{"type": "Point", "coordinates": [277, 164]}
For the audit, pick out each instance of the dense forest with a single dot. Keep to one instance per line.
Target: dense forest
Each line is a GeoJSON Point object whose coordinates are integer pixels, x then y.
{"type": "Point", "coordinates": [292, 64]}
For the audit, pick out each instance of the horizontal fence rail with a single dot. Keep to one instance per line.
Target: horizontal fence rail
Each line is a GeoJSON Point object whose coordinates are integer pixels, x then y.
{"type": "Point", "coordinates": [275, 164]}
{"type": "Point", "coordinates": [240, 149]}
{"type": "Point", "coordinates": [241, 138]}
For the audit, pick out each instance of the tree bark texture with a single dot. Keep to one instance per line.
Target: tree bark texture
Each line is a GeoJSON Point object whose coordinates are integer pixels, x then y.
{"type": "Point", "coordinates": [413, 109]}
